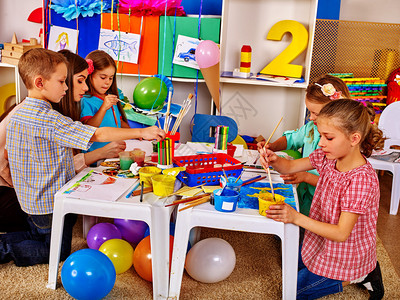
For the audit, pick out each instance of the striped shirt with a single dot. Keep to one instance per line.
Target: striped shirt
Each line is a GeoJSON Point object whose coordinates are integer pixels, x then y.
{"type": "Point", "coordinates": [39, 144]}
{"type": "Point", "coordinates": [355, 191]}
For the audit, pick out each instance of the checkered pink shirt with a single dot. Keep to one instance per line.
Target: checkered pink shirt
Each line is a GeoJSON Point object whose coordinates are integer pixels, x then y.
{"type": "Point", "coordinates": [355, 191]}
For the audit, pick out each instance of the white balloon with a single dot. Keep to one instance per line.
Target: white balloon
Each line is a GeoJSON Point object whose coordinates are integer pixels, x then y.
{"type": "Point", "coordinates": [210, 260]}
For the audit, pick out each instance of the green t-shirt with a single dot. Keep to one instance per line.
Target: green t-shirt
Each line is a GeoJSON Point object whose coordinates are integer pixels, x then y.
{"type": "Point", "coordinates": [305, 138]}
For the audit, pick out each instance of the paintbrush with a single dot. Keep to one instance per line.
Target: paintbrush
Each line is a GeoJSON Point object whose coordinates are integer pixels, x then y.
{"type": "Point", "coordinates": [254, 180]}
{"type": "Point", "coordinates": [197, 203]}
{"type": "Point", "coordinates": [266, 143]}
{"type": "Point", "coordinates": [187, 199]}
{"type": "Point", "coordinates": [141, 192]}
{"type": "Point", "coordinates": [270, 182]}
{"type": "Point", "coordinates": [239, 176]}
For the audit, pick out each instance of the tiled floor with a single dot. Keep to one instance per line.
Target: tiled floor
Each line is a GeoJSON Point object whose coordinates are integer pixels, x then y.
{"type": "Point", "coordinates": [389, 225]}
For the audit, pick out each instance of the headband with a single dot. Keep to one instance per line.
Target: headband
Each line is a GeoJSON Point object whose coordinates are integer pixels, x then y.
{"type": "Point", "coordinates": [329, 90]}
{"type": "Point", "coordinates": [90, 67]}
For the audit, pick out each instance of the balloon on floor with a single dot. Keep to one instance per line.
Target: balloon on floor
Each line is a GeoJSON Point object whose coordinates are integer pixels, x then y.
{"type": "Point", "coordinates": [120, 252]}
{"type": "Point", "coordinates": [88, 274]}
{"type": "Point", "coordinates": [142, 258]}
{"type": "Point", "coordinates": [210, 260]}
{"type": "Point", "coordinates": [132, 231]}
{"type": "Point", "coordinates": [100, 233]}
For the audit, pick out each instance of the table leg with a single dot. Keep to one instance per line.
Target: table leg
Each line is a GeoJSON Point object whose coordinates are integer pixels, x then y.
{"type": "Point", "coordinates": [290, 253]}
{"type": "Point", "coordinates": [55, 243]}
{"type": "Point", "coordinates": [182, 230]}
{"type": "Point", "coordinates": [159, 239]}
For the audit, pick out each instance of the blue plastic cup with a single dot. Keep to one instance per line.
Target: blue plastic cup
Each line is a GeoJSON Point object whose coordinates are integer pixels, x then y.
{"type": "Point", "coordinates": [227, 202]}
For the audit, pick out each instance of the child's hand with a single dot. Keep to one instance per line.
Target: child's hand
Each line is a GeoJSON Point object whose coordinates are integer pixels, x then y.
{"type": "Point", "coordinates": [267, 157]}
{"type": "Point", "coordinates": [112, 149]}
{"type": "Point", "coordinates": [153, 133]}
{"type": "Point", "coordinates": [260, 145]}
{"type": "Point", "coordinates": [282, 213]}
{"type": "Point", "coordinates": [109, 101]}
{"type": "Point", "coordinates": [294, 178]}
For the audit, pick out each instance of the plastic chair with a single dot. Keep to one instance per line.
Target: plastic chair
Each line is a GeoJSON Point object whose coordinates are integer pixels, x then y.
{"type": "Point", "coordinates": [248, 220]}
{"type": "Point", "coordinates": [149, 211]}
{"type": "Point", "coordinates": [202, 126]}
{"type": "Point", "coordinates": [390, 125]}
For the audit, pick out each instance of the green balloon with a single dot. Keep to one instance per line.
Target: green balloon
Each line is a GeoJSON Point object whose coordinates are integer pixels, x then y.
{"type": "Point", "coordinates": [147, 93]}
{"type": "Point", "coordinates": [293, 153]}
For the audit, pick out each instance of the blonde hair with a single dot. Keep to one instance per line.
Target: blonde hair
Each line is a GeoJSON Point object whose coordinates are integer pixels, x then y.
{"type": "Point", "coordinates": [351, 116]}
{"type": "Point", "coordinates": [38, 61]}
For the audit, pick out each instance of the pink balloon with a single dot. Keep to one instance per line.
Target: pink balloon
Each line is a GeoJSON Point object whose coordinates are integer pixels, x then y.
{"type": "Point", "coordinates": [207, 54]}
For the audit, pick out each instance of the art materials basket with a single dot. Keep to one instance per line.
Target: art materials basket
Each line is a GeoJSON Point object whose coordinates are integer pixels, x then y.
{"type": "Point", "coordinates": [206, 169]}
{"type": "Point", "coordinates": [266, 199]}
{"type": "Point", "coordinates": [227, 202]}
{"type": "Point", "coordinates": [163, 185]}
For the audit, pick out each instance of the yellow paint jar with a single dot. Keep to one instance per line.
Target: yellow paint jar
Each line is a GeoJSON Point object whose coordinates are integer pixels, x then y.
{"type": "Point", "coordinates": [146, 173]}
{"type": "Point", "coordinates": [163, 185]}
{"type": "Point", "coordinates": [266, 199]}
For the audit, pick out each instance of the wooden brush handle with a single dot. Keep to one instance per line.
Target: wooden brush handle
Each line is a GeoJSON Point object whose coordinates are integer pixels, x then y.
{"type": "Point", "coordinates": [197, 203]}
{"type": "Point", "coordinates": [145, 191]}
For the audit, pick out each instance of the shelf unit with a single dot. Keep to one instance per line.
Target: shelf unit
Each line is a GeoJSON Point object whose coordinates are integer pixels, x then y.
{"type": "Point", "coordinates": [257, 105]}
{"type": "Point", "coordinates": [9, 74]}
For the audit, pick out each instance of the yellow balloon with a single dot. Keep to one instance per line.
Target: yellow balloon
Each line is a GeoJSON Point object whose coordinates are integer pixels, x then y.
{"type": "Point", "coordinates": [120, 252]}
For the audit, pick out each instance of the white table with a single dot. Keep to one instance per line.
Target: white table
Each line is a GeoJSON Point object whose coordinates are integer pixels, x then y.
{"type": "Point", "coordinates": [151, 210]}
{"type": "Point", "coordinates": [242, 219]}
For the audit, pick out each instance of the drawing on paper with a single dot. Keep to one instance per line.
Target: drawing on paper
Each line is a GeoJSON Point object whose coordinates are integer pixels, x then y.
{"type": "Point", "coordinates": [185, 52]}
{"type": "Point", "coordinates": [62, 38]}
{"type": "Point", "coordinates": [121, 46]}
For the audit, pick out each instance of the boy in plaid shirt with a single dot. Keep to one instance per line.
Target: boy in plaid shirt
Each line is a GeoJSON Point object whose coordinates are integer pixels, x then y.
{"type": "Point", "coordinates": [39, 146]}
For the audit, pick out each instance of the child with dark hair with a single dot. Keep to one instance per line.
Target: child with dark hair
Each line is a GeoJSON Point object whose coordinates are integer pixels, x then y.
{"type": "Point", "coordinates": [39, 143]}
{"type": "Point", "coordinates": [101, 106]}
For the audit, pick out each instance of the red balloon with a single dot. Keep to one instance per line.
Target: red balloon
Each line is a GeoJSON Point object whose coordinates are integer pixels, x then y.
{"type": "Point", "coordinates": [142, 258]}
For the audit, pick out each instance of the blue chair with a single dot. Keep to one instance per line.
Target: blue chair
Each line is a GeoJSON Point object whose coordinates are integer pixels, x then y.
{"type": "Point", "coordinates": [202, 125]}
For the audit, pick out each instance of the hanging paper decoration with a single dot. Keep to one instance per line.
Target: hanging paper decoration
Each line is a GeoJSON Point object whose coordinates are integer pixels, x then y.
{"type": "Point", "coordinates": [62, 38]}
{"type": "Point", "coordinates": [121, 46]}
{"type": "Point", "coordinates": [71, 9]}
{"type": "Point", "coordinates": [151, 7]}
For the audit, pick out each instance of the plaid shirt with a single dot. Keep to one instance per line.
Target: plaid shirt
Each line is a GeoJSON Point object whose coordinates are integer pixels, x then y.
{"type": "Point", "coordinates": [39, 144]}
{"type": "Point", "coordinates": [355, 191]}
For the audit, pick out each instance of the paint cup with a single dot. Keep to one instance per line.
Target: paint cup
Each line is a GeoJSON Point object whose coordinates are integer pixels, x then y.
{"type": "Point", "coordinates": [232, 183]}
{"type": "Point", "coordinates": [227, 201]}
{"type": "Point", "coordinates": [146, 173]}
{"type": "Point", "coordinates": [125, 160]}
{"type": "Point", "coordinates": [138, 156]}
{"type": "Point", "coordinates": [163, 185]}
{"type": "Point", "coordinates": [231, 149]}
{"type": "Point", "coordinates": [265, 200]}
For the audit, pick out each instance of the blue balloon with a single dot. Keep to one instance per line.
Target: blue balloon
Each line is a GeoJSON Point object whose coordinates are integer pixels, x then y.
{"type": "Point", "coordinates": [88, 274]}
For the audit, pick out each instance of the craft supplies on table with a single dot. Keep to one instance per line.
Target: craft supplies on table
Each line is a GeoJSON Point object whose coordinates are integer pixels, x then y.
{"type": "Point", "coordinates": [265, 200]}
{"type": "Point", "coordinates": [207, 169]}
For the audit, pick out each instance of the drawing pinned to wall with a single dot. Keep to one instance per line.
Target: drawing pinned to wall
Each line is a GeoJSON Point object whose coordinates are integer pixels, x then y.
{"type": "Point", "coordinates": [63, 38]}
{"type": "Point", "coordinates": [185, 51]}
{"type": "Point", "coordinates": [121, 46]}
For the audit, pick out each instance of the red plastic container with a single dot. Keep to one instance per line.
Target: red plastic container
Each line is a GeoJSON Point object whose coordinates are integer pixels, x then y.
{"type": "Point", "coordinates": [207, 169]}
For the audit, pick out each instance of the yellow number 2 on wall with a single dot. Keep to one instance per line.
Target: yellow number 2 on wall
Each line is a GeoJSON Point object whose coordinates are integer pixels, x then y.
{"type": "Point", "coordinates": [281, 64]}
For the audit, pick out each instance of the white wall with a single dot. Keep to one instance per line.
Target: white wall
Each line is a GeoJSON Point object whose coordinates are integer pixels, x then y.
{"type": "Point", "coordinates": [380, 11]}
{"type": "Point", "coordinates": [14, 18]}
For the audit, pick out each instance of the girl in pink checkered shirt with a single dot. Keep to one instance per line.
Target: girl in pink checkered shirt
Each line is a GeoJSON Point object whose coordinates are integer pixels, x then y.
{"type": "Point", "coordinates": [339, 245]}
